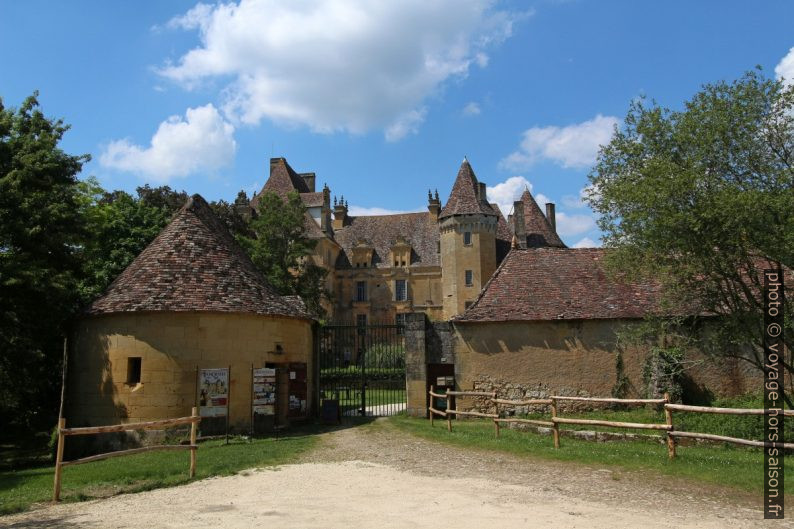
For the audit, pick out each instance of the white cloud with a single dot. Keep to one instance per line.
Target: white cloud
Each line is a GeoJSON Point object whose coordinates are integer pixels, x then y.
{"type": "Point", "coordinates": [785, 68]}
{"type": "Point", "coordinates": [569, 225]}
{"type": "Point", "coordinates": [360, 211]}
{"type": "Point", "coordinates": [472, 109]}
{"type": "Point", "coordinates": [337, 65]}
{"type": "Point", "coordinates": [574, 202]}
{"type": "Point", "coordinates": [572, 146]}
{"type": "Point", "coordinates": [587, 242]}
{"type": "Point", "coordinates": [201, 142]}
{"type": "Point", "coordinates": [507, 192]}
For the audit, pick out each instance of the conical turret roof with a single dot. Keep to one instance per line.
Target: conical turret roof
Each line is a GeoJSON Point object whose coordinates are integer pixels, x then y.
{"type": "Point", "coordinates": [194, 264]}
{"type": "Point", "coordinates": [538, 230]}
{"type": "Point", "coordinates": [463, 199]}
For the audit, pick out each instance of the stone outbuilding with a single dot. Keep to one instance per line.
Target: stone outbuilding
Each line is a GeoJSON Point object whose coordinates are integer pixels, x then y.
{"type": "Point", "coordinates": [192, 300]}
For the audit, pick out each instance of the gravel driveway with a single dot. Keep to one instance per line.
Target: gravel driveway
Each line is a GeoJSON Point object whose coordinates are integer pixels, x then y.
{"type": "Point", "coordinates": [376, 476]}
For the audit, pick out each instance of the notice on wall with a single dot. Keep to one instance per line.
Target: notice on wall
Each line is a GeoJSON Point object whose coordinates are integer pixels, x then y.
{"type": "Point", "coordinates": [213, 392]}
{"type": "Point", "coordinates": [264, 396]}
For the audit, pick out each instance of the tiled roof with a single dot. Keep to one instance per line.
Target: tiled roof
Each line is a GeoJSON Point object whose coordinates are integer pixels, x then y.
{"type": "Point", "coordinates": [420, 230]}
{"type": "Point", "coordinates": [311, 200]}
{"type": "Point", "coordinates": [463, 197]}
{"type": "Point", "coordinates": [559, 284]}
{"type": "Point", "coordinates": [194, 264]}
{"type": "Point", "coordinates": [539, 231]}
{"type": "Point", "coordinates": [504, 237]}
{"type": "Point", "coordinates": [282, 180]}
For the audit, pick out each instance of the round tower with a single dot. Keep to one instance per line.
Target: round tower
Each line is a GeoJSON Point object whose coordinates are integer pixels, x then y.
{"type": "Point", "coordinates": [467, 227]}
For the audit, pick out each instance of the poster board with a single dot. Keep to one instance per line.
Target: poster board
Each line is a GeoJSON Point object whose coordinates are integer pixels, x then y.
{"type": "Point", "coordinates": [264, 391]}
{"type": "Point", "coordinates": [213, 392]}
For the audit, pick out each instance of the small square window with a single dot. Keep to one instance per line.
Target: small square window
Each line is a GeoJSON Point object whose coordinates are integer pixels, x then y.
{"type": "Point", "coordinates": [361, 320]}
{"type": "Point", "coordinates": [467, 238]}
{"type": "Point", "coordinates": [134, 370]}
{"type": "Point", "coordinates": [469, 278]}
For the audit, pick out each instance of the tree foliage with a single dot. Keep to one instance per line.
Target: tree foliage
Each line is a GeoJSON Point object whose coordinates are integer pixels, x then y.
{"type": "Point", "coordinates": [41, 233]}
{"type": "Point", "coordinates": [281, 250]}
{"type": "Point", "coordinates": [702, 199]}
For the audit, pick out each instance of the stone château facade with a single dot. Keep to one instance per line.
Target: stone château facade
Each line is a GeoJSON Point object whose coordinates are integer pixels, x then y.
{"type": "Point", "coordinates": [382, 267]}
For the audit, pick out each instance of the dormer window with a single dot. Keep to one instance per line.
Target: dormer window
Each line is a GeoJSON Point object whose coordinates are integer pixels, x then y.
{"type": "Point", "coordinates": [401, 252]}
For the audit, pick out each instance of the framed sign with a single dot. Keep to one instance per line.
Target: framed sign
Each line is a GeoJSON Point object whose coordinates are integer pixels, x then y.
{"type": "Point", "coordinates": [213, 392]}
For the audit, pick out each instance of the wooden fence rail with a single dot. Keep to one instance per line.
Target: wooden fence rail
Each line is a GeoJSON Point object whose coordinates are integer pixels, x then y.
{"type": "Point", "coordinates": [670, 432]}
{"type": "Point", "coordinates": [193, 420]}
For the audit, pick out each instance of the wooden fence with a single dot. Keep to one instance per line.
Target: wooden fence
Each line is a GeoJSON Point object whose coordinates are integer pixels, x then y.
{"type": "Point", "coordinates": [555, 420]}
{"type": "Point", "coordinates": [193, 420]}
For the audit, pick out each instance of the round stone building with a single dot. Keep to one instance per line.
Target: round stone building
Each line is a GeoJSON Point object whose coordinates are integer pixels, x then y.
{"type": "Point", "coordinates": [191, 301]}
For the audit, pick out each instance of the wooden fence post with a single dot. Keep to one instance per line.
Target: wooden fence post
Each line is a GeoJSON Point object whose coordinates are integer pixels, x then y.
{"type": "Point", "coordinates": [56, 489]}
{"type": "Point", "coordinates": [449, 415]}
{"type": "Point", "coordinates": [496, 411]}
{"type": "Point", "coordinates": [193, 428]}
{"type": "Point", "coordinates": [430, 396]}
{"type": "Point", "coordinates": [668, 415]}
{"type": "Point", "coordinates": [555, 430]}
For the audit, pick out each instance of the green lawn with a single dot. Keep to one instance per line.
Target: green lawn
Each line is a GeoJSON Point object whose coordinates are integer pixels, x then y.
{"type": "Point", "coordinates": [737, 467]}
{"type": "Point", "coordinates": [21, 488]}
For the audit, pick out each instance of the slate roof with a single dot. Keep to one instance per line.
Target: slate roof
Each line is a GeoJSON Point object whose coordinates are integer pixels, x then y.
{"type": "Point", "coordinates": [420, 230]}
{"type": "Point", "coordinates": [559, 284]}
{"type": "Point", "coordinates": [539, 231]}
{"type": "Point", "coordinates": [463, 197]}
{"type": "Point", "coordinates": [194, 264]}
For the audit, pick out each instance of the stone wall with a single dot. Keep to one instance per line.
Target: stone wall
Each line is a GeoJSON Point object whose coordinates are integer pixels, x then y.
{"type": "Point", "coordinates": [171, 346]}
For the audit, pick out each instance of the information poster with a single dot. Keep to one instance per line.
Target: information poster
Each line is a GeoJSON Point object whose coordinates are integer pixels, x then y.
{"type": "Point", "coordinates": [264, 398]}
{"type": "Point", "coordinates": [213, 392]}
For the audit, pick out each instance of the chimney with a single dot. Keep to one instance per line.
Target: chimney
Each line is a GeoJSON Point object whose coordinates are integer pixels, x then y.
{"type": "Point", "coordinates": [481, 192]}
{"type": "Point", "coordinates": [325, 220]}
{"type": "Point", "coordinates": [550, 216]}
{"type": "Point", "coordinates": [433, 204]}
{"type": "Point", "coordinates": [340, 213]}
{"type": "Point", "coordinates": [309, 179]}
{"type": "Point", "coordinates": [519, 228]}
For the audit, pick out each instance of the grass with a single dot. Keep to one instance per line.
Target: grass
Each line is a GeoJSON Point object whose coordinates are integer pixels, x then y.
{"type": "Point", "coordinates": [19, 489]}
{"type": "Point", "coordinates": [730, 466]}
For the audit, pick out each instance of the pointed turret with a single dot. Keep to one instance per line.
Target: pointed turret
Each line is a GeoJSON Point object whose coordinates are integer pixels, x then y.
{"type": "Point", "coordinates": [531, 227]}
{"type": "Point", "coordinates": [465, 197]}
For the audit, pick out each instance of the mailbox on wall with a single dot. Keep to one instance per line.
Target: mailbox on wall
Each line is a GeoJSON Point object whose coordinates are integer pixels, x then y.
{"type": "Point", "coordinates": [443, 384]}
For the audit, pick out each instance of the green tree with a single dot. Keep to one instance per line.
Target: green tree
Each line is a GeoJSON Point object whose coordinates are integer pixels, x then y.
{"type": "Point", "coordinates": [119, 227]}
{"type": "Point", "coordinates": [281, 250]}
{"type": "Point", "coordinates": [41, 233]}
{"type": "Point", "coordinates": [702, 199]}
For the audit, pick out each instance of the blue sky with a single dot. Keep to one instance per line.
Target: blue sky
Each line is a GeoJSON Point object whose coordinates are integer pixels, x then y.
{"type": "Point", "coordinates": [381, 99]}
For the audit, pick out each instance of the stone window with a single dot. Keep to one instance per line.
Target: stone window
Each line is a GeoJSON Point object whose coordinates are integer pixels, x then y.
{"type": "Point", "coordinates": [133, 370]}
{"type": "Point", "coordinates": [469, 278]}
{"type": "Point", "coordinates": [400, 290]}
{"type": "Point", "coordinates": [361, 320]}
{"type": "Point", "coordinates": [467, 238]}
{"type": "Point", "coordinates": [361, 291]}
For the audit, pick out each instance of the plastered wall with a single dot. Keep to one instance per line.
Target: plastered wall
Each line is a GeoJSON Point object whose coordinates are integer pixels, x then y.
{"type": "Point", "coordinates": [171, 346]}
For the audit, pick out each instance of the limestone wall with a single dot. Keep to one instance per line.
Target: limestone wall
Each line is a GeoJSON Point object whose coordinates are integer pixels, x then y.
{"type": "Point", "coordinates": [171, 346]}
{"type": "Point", "coordinates": [538, 359]}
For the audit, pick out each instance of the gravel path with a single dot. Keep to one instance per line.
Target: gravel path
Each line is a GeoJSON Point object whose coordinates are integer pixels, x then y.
{"type": "Point", "coordinates": [376, 476]}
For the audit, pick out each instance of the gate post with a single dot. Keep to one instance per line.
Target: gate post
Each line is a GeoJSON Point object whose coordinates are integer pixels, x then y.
{"type": "Point", "coordinates": [415, 365]}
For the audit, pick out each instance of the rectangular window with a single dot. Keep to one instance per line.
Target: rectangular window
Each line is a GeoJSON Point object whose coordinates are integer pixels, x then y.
{"type": "Point", "coordinates": [467, 238]}
{"type": "Point", "coordinates": [361, 291]}
{"type": "Point", "coordinates": [469, 278]}
{"type": "Point", "coordinates": [400, 290]}
{"type": "Point", "coordinates": [133, 370]}
{"type": "Point", "coordinates": [361, 320]}
{"type": "Point", "coordinates": [399, 319]}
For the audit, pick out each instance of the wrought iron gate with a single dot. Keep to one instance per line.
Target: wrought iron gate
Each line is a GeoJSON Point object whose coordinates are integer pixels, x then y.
{"type": "Point", "coordinates": [363, 367]}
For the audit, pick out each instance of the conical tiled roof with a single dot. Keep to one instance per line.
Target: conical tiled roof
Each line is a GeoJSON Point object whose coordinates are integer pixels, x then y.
{"type": "Point", "coordinates": [539, 231]}
{"type": "Point", "coordinates": [463, 198]}
{"type": "Point", "coordinates": [194, 264]}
